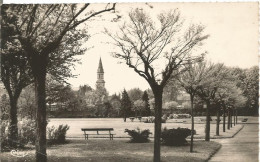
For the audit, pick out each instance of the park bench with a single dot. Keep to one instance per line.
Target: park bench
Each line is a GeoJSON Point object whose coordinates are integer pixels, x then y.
{"type": "Point", "coordinates": [97, 130]}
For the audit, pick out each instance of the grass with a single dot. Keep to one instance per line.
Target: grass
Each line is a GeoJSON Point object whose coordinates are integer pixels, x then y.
{"type": "Point", "coordinates": [103, 150]}
{"type": "Point", "coordinates": [119, 126]}
{"type": "Point", "coordinates": [97, 150]}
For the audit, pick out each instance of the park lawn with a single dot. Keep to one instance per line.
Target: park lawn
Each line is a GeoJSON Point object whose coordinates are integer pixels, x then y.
{"type": "Point", "coordinates": [103, 150]}
{"type": "Point", "coordinates": [119, 126]}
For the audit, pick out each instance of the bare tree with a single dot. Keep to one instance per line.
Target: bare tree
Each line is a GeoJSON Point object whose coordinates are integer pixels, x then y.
{"type": "Point", "coordinates": [41, 31]}
{"type": "Point", "coordinates": [191, 80]}
{"type": "Point", "coordinates": [145, 46]}
{"type": "Point", "coordinates": [216, 73]}
{"type": "Point", "coordinates": [228, 94]}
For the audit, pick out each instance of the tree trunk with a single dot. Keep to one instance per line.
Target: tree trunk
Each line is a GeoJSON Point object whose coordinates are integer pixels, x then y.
{"type": "Point", "coordinates": [125, 117]}
{"type": "Point", "coordinates": [224, 119]}
{"type": "Point", "coordinates": [41, 123]}
{"type": "Point", "coordinates": [13, 128]}
{"type": "Point", "coordinates": [207, 128]}
{"type": "Point", "coordinates": [217, 123]}
{"type": "Point", "coordinates": [157, 123]}
{"type": "Point", "coordinates": [192, 123]}
{"type": "Point", "coordinates": [228, 119]}
{"type": "Point", "coordinates": [234, 117]}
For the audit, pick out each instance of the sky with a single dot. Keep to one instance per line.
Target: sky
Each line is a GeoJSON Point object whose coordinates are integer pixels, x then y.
{"type": "Point", "coordinates": [232, 26]}
{"type": "Point", "coordinates": [233, 30]}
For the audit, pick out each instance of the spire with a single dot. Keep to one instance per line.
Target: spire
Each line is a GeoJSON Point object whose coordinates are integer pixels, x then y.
{"type": "Point", "coordinates": [100, 67]}
{"type": "Point", "coordinates": [100, 76]}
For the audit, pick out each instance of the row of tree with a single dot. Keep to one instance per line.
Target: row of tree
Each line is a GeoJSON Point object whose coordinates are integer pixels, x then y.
{"type": "Point", "coordinates": [214, 84]}
{"type": "Point", "coordinates": [144, 46]}
{"type": "Point", "coordinates": [133, 102]}
{"type": "Point", "coordinates": [62, 100]}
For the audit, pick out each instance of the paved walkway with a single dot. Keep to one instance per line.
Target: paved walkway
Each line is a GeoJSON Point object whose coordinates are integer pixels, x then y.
{"type": "Point", "coordinates": [242, 148]}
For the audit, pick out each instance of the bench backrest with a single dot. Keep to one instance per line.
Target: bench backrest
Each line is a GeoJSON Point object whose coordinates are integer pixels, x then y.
{"type": "Point", "coordinates": [97, 129]}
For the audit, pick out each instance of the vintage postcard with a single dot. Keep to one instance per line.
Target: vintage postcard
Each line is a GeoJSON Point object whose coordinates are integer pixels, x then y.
{"type": "Point", "coordinates": [129, 81]}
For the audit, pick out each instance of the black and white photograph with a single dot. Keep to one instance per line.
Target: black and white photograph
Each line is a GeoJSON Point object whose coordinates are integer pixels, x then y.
{"type": "Point", "coordinates": [129, 81]}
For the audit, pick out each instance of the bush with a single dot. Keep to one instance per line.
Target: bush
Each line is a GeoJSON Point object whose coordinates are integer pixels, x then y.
{"type": "Point", "coordinates": [4, 135]}
{"type": "Point", "coordinates": [175, 137]}
{"type": "Point", "coordinates": [27, 131]}
{"type": "Point", "coordinates": [57, 135]}
{"type": "Point", "coordinates": [138, 136]}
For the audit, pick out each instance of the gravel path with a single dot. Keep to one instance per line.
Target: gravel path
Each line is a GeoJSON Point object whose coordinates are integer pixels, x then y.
{"type": "Point", "coordinates": [242, 148]}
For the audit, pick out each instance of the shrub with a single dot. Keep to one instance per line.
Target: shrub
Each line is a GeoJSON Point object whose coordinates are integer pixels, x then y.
{"type": "Point", "coordinates": [27, 131]}
{"type": "Point", "coordinates": [4, 135]}
{"type": "Point", "coordinates": [175, 137]}
{"type": "Point", "coordinates": [57, 135]}
{"type": "Point", "coordinates": [138, 136]}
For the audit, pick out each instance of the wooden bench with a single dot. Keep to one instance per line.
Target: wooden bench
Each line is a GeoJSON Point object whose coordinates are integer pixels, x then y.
{"type": "Point", "coordinates": [86, 130]}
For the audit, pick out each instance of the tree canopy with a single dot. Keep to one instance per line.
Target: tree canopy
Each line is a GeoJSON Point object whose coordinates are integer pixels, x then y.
{"type": "Point", "coordinates": [145, 45]}
{"type": "Point", "coordinates": [126, 104]}
{"type": "Point", "coordinates": [49, 37]}
{"type": "Point", "coordinates": [135, 94]}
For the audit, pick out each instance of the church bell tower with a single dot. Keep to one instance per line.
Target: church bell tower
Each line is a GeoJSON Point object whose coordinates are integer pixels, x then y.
{"type": "Point", "coordinates": [100, 76]}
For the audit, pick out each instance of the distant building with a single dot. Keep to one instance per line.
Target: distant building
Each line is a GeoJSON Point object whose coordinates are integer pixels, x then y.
{"type": "Point", "coordinates": [100, 76]}
{"type": "Point", "coordinates": [99, 95]}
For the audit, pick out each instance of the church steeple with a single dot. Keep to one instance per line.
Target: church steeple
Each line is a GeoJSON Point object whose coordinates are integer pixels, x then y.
{"type": "Point", "coordinates": [100, 67]}
{"type": "Point", "coordinates": [100, 76]}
